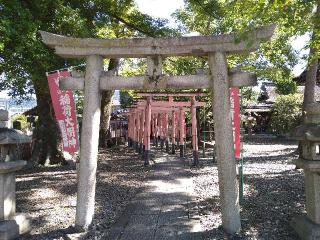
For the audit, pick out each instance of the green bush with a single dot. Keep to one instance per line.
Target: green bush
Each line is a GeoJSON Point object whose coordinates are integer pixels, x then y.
{"type": "Point", "coordinates": [286, 113]}
{"type": "Point", "coordinates": [23, 120]}
{"type": "Point", "coordinates": [286, 86]}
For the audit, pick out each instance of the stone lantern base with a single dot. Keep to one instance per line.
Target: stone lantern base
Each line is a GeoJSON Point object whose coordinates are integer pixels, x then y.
{"type": "Point", "coordinates": [13, 228]}
{"type": "Point", "coordinates": [305, 228]}
{"type": "Point", "coordinates": [11, 223]}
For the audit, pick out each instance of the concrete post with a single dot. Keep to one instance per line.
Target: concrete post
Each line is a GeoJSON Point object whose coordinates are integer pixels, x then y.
{"type": "Point", "coordinates": [89, 143]}
{"type": "Point", "coordinates": [228, 184]}
{"type": "Point", "coordinates": [173, 132]}
{"type": "Point", "coordinates": [194, 132]}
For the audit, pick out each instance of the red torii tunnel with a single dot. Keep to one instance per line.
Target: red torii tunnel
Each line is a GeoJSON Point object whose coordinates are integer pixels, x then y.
{"type": "Point", "coordinates": [163, 120]}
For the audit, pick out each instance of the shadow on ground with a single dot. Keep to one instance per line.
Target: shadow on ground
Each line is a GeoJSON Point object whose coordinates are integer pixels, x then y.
{"type": "Point", "coordinates": [48, 194]}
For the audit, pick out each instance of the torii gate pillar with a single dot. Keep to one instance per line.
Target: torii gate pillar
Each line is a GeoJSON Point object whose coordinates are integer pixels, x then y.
{"type": "Point", "coordinates": [147, 133]}
{"type": "Point", "coordinates": [182, 131]}
{"type": "Point", "coordinates": [228, 184]}
{"type": "Point", "coordinates": [89, 142]}
{"type": "Point", "coordinates": [173, 132]}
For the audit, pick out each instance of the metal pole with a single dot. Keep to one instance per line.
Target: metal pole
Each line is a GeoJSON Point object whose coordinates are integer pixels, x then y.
{"type": "Point", "coordinates": [241, 190]}
{"type": "Point", "coordinates": [204, 134]}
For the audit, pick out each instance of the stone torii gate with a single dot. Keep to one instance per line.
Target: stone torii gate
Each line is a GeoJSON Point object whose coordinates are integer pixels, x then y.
{"type": "Point", "coordinates": [155, 49]}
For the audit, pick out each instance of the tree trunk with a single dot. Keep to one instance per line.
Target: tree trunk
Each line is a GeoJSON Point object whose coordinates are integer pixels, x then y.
{"type": "Point", "coordinates": [106, 107]}
{"type": "Point", "coordinates": [47, 139]}
{"type": "Point", "coordinates": [311, 77]}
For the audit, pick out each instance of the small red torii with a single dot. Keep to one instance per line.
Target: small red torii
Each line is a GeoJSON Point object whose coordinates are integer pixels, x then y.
{"type": "Point", "coordinates": [150, 117]}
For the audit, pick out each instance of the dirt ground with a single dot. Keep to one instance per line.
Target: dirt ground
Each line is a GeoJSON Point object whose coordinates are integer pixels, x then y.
{"type": "Point", "coordinates": [274, 193]}
{"type": "Point", "coordinates": [48, 194]}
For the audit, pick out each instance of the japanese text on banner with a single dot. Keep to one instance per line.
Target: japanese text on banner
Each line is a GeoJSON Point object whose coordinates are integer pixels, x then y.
{"type": "Point", "coordinates": [235, 110]}
{"type": "Point", "coordinates": [64, 109]}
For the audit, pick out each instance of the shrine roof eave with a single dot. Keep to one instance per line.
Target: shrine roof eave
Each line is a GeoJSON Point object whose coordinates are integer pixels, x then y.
{"type": "Point", "coordinates": [70, 47]}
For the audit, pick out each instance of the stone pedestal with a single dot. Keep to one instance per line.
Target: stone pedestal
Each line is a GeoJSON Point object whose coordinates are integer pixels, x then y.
{"type": "Point", "coordinates": [11, 224]}
{"type": "Point", "coordinates": [195, 158]}
{"type": "Point", "coordinates": [306, 229]}
{"type": "Point", "coordinates": [167, 146]}
{"type": "Point", "coordinates": [173, 148]}
{"type": "Point", "coordinates": [161, 143]}
{"type": "Point", "coordinates": [181, 150]}
{"type": "Point", "coordinates": [308, 226]}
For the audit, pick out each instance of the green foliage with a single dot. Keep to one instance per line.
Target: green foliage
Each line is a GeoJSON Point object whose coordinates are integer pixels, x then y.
{"type": "Point", "coordinates": [127, 98]}
{"type": "Point", "coordinates": [24, 59]}
{"type": "Point", "coordinates": [285, 86]}
{"type": "Point", "coordinates": [183, 65]}
{"type": "Point", "coordinates": [274, 59]}
{"type": "Point", "coordinates": [248, 95]}
{"type": "Point", "coordinates": [23, 121]}
{"type": "Point", "coordinates": [286, 113]}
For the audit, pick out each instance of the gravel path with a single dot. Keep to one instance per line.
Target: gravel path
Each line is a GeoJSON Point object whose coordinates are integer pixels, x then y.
{"type": "Point", "coordinates": [274, 192]}
{"type": "Point", "coordinates": [48, 194]}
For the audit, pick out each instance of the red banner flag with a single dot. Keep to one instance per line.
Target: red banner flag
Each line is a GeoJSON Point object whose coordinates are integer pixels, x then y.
{"type": "Point", "coordinates": [235, 109]}
{"type": "Point", "coordinates": [63, 105]}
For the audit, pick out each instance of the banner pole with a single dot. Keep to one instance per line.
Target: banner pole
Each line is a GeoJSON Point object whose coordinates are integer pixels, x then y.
{"type": "Point", "coordinates": [241, 192]}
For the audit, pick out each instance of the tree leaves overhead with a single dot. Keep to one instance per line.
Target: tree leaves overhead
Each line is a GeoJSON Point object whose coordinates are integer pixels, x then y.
{"type": "Point", "coordinates": [23, 57]}
{"type": "Point", "coordinates": [275, 58]}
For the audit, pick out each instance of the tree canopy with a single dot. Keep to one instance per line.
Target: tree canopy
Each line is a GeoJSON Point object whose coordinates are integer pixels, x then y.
{"type": "Point", "coordinates": [275, 59]}
{"type": "Point", "coordinates": [24, 59]}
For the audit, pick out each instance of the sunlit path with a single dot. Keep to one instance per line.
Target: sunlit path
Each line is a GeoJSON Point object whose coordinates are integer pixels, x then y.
{"type": "Point", "coordinates": [163, 209]}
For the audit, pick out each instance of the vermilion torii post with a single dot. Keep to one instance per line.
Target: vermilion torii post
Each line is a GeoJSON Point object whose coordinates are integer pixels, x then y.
{"type": "Point", "coordinates": [155, 49]}
{"type": "Point", "coordinates": [182, 131]}
{"type": "Point", "coordinates": [194, 132]}
{"type": "Point", "coordinates": [147, 132]}
{"type": "Point", "coordinates": [173, 132]}
{"type": "Point", "coordinates": [141, 131]}
{"type": "Point", "coordinates": [138, 131]}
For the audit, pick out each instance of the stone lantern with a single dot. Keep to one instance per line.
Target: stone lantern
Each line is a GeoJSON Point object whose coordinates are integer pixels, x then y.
{"type": "Point", "coordinates": [11, 224]}
{"type": "Point", "coordinates": [308, 227]}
